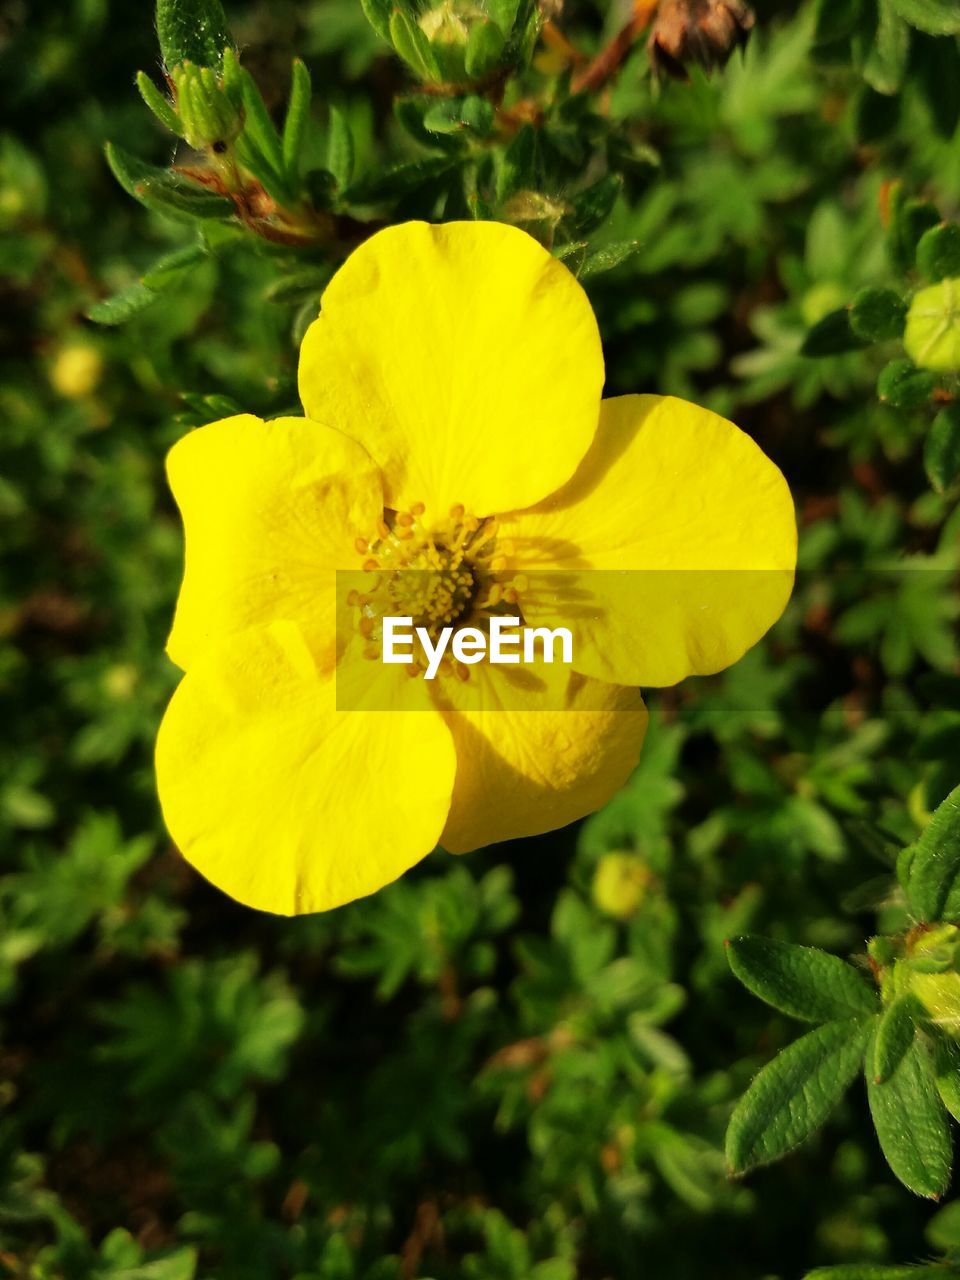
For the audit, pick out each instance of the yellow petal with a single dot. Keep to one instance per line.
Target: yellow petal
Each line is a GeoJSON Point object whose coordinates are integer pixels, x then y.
{"type": "Point", "coordinates": [270, 511]}
{"type": "Point", "coordinates": [465, 358]}
{"type": "Point", "coordinates": [523, 769]}
{"type": "Point", "coordinates": [677, 541]}
{"type": "Point", "coordinates": [280, 800]}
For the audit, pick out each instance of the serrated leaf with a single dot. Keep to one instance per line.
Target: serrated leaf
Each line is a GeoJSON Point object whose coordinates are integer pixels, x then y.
{"type": "Point", "coordinates": [936, 17]}
{"type": "Point", "coordinates": [123, 305]}
{"type": "Point", "coordinates": [941, 450]}
{"type": "Point", "coordinates": [800, 981]}
{"type": "Point", "coordinates": [295, 121]}
{"type": "Point", "coordinates": [933, 874]}
{"type": "Point", "coordinates": [192, 31]}
{"type": "Point", "coordinates": [910, 1121]}
{"type": "Point", "coordinates": [895, 1032]}
{"type": "Point", "coordinates": [792, 1096]}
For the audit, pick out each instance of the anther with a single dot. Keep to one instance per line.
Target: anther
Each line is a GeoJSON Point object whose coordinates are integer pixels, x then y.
{"type": "Point", "coordinates": [404, 519]}
{"type": "Point", "coordinates": [371, 564]}
{"type": "Point", "coordinates": [457, 511]}
{"type": "Point", "coordinates": [362, 545]}
{"type": "Point", "coordinates": [418, 509]}
{"type": "Point", "coordinates": [520, 582]}
{"type": "Point", "coordinates": [383, 529]}
{"type": "Point", "coordinates": [405, 534]}
{"type": "Point", "coordinates": [366, 628]}
{"type": "Point", "coordinates": [353, 598]}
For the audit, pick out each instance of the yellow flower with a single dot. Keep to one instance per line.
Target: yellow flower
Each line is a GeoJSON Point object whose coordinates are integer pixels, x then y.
{"type": "Point", "coordinates": [454, 438]}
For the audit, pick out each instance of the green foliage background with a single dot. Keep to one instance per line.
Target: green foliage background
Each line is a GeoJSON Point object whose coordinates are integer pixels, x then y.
{"type": "Point", "coordinates": [481, 1072]}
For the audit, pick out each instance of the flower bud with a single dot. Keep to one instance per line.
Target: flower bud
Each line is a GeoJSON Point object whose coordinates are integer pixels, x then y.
{"type": "Point", "coordinates": [932, 335]}
{"type": "Point", "coordinates": [462, 42]}
{"type": "Point", "coordinates": [210, 114]}
{"type": "Point", "coordinates": [620, 884]}
{"type": "Point", "coordinates": [702, 31]}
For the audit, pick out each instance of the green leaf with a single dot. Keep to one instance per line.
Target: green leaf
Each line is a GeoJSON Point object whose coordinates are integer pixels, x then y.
{"type": "Point", "coordinates": [192, 31]}
{"type": "Point", "coordinates": [518, 164]}
{"type": "Point", "coordinates": [594, 204]}
{"type": "Point", "coordinates": [295, 122]}
{"type": "Point", "coordinates": [163, 191]}
{"type": "Point", "coordinates": [399, 180]}
{"type": "Point", "coordinates": [182, 199]}
{"type": "Point", "coordinates": [609, 257]}
{"type": "Point", "coordinates": [172, 267]}
{"type": "Point", "coordinates": [886, 60]}
{"type": "Point", "coordinates": [260, 131]}
{"type": "Point", "coordinates": [943, 1229]}
{"type": "Point", "coordinates": [910, 1121]}
{"type": "Point", "coordinates": [946, 1066]}
{"type": "Point", "coordinates": [159, 104]}
{"type": "Point", "coordinates": [793, 1095]}
{"type": "Point", "coordinates": [904, 386]}
{"type": "Point", "coordinates": [937, 17]}
{"type": "Point", "coordinates": [938, 252]}
{"type": "Point", "coordinates": [876, 115]}
{"type": "Point", "coordinates": [377, 13]}
{"type": "Point", "coordinates": [800, 981]}
{"type": "Point", "coordinates": [895, 1032]}
{"type": "Point", "coordinates": [121, 306]}
{"type": "Point", "coordinates": [877, 315]}
{"type": "Point", "coordinates": [340, 158]}
{"type": "Point", "coordinates": [831, 336]}
{"type": "Point", "coordinates": [413, 46]}
{"type": "Point", "coordinates": [472, 114]}
{"type": "Point", "coordinates": [941, 450]}
{"type": "Point", "coordinates": [485, 45]}
{"type": "Point", "coordinates": [933, 872]}
{"type": "Point", "coordinates": [909, 219]}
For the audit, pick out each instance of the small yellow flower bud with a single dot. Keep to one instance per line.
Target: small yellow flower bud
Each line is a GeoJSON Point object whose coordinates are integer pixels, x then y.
{"type": "Point", "coordinates": [620, 884]}
{"type": "Point", "coordinates": [76, 370]}
{"type": "Point", "coordinates": [932, 336]}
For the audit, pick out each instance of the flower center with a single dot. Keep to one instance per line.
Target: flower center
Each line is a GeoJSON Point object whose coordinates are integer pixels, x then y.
{"type": "Point", "coordinates": [443, 574]}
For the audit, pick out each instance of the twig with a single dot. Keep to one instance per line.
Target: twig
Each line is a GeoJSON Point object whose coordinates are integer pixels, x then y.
{"type": "Point", "coordinates": [612, 57]}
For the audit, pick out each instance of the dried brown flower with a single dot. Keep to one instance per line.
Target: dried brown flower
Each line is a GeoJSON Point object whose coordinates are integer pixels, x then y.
{"type": "Point", "coordinates": [702, 31]}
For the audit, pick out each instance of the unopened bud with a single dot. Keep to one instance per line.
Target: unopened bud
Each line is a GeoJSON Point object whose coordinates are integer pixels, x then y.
{"type": "Point", "coordinates": [208, 111]}
{"type": "Point", "coordinates": [701, 31]}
